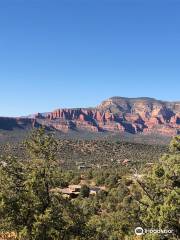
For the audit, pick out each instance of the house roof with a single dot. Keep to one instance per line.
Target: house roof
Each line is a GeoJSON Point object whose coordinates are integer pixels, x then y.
{"type": "Point", "coordinates": [74, 186]}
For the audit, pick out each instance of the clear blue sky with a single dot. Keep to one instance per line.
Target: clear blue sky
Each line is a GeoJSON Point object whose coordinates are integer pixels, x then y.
{"type": "Point", "coordinates": [76, 53]}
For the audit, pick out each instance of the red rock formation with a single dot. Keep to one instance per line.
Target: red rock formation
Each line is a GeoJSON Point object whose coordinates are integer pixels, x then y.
{"type": "Point", "coordinates": [109, 116]}
{"type": "Point", "coordinates": [117, 114]}
{"type": "Point", "coordinates": [141, 117]}
{"type": "Point", "coordinates": [112, 127]}
{"type": "Point", "coordinates": [81, 117]}
{"type": "Point", "coordinates": [132, 117]}
{"type": "Point", "coordinates": [98, 116]}
{"type": "Point", "coordinates": [175, 119]}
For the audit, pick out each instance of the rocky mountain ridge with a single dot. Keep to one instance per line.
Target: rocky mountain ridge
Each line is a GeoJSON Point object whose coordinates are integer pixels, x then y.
{"type": "Point", "coordinates": [116, 114]}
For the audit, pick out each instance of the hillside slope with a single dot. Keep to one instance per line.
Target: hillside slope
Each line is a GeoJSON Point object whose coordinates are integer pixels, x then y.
{"type": "Point", "coordinates": [117, 115]}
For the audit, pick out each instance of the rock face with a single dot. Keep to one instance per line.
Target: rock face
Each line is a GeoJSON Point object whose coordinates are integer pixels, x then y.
{"type": "Point", "coordinates": [117, 114]}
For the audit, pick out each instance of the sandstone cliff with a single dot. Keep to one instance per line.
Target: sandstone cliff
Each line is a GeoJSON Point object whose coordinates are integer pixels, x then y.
{"type": "Point", "coordinates": [117, 114]}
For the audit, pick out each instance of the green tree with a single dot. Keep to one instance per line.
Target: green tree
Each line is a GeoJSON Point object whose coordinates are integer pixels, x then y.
{"type": "Point", "coordinates": [12, 194]}
{"type": "Point", "coordinates": [29, 203]}
{"type": "Point", "coordinates": [85, 191]}
{"type": "Point", "coordinates": [159, 197]}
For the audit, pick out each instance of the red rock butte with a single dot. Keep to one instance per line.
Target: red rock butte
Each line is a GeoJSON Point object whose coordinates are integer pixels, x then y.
{"type": "Point", "coordinates": [117, 114]}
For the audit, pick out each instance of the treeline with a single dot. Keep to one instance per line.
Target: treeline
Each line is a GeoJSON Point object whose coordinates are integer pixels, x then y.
{"type": "Point", "coordinates": [32, 209]}
{"type": "Point", "coordinates": [93, 152]}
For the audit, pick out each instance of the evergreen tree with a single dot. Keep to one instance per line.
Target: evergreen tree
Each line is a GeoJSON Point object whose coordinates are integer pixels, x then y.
{"type": "Point", "coordinates": [85, 191]}
{"type": "Point", "coordinates": [28, 205]}
{"type": "Point", "coordinates": [159, 197]}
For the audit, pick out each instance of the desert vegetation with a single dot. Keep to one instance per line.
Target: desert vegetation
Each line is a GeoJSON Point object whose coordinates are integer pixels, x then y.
{"type": "Point", "coordinates": [143, 191]}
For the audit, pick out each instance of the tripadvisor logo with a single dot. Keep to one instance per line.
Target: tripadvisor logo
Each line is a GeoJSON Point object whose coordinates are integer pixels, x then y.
{"type": "Point", "coordinates": [140, 231]}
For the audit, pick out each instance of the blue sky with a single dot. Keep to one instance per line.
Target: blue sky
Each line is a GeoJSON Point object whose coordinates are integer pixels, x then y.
{"type": "Point", "coordinates": [76, 53]}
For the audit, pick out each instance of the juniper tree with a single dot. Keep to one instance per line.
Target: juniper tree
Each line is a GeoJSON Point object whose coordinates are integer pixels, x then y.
{"type": "Point", "coordinates": [28, 205]}
{"type": "Point", "coordinates": [160, 195]}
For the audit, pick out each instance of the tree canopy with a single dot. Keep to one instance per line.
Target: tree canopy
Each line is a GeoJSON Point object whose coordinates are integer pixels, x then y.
{"type": "Point", "coordinates": [32, 209]}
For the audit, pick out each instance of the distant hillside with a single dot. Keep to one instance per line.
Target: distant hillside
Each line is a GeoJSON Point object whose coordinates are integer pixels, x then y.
{"type": "Point", "coordinates": [74, 152]}
{"type": "Point", "coordinates": [142, 117]}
